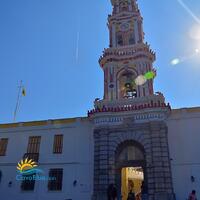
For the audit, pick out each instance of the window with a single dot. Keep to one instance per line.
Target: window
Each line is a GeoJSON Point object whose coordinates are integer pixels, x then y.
{"type": "Point", "coordinates": [3, 146]}
{"type": "Point", "coordinates": [28, 183]}
{"type": "Point", "coordinates": [55, 179]}
{"type": "Point", "coordinates": [127, 85]}
{"type": "Point", "coordinates": [34, 144]}
{"type": "Point", "coordinates": [144, 93]}
{"type": "Point", "coordinates": [119, 40]}
{"type": "Point", "coordinates": [131, 39]}
{"type": "Point", "coordinates": [33, 148]}
{"type": "Point", "coordinates": [123, 6]}
{"type": "Point", "coordinates": [58, 144]}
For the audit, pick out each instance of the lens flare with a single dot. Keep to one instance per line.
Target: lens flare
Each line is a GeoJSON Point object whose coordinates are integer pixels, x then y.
{"type": "Point", "coordinates": [140, 80]}
{"type": "Point", "coordinates": [189, 11]}
{"type": "Point", "coordinates": [197, 51]}
{"type": "Point", "coordinates": [195, 32]}
{"type": "Point", "coordinates": [175, 61]}
{"type": "Point", "coordinates": [150, 75]}
{"type": "Point", "coordinates": [182, 59]}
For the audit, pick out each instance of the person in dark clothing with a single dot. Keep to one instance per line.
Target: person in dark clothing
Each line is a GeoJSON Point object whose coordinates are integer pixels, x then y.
{"type": "Point", "coordinates": [131, 195]}
{"type": "Point", "coordinates": [192, 196]}
{"type": "Point", "coordinates": [111, 192]}
{"type": "Point", "coordinates": [143, 188]}
{"type": "Point", "coordinates": [114, 193]}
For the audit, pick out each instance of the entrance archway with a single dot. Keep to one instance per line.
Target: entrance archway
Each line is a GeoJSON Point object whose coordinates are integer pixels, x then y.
{"type": "Point", "coordinates": [130, 165]}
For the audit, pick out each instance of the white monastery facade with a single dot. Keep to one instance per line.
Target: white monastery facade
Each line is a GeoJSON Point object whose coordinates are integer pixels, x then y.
{"type": "Point", "coordinates": [132, 138]}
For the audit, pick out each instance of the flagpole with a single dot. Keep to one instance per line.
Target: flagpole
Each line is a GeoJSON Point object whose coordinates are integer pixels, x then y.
{"type": "Point", "coordinates": [18, 101]}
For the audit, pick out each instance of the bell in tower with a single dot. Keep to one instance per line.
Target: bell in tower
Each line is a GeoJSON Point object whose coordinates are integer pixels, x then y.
{"type": "Point", "coordinates": [128, 86]}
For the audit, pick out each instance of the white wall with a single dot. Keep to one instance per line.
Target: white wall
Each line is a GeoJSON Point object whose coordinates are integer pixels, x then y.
{"type": "Point", "coordinates": [76, 161]}
{"type": "Point", "coordinates": [77, 157]}
{"type": "Point", "coordinates": [184, 143]}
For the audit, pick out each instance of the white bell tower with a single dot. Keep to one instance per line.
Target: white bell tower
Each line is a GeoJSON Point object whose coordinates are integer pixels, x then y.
{"type": "Point", "coordinates": [128, 56]}
{"type": "Point", "coordinates": [130, 112]}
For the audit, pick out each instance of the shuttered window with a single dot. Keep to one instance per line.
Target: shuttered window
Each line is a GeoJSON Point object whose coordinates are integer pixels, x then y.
{"type": "Point", "coordinates": [34, 144]}
{"type": "Point", "coordinates": [3, 146]}
{"type": "Point", "coordinates": [33, 149]}
{"type": "Point", "coordinates": [58, 144]}
{"type": "Point", "coordinates": [28, 184]}
{"type": "Point", "coordinates": [55, 179]}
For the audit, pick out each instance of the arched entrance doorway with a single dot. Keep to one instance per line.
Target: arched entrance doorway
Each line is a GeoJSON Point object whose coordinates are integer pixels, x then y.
{"type": "Point", "coordinates": [131, 176]}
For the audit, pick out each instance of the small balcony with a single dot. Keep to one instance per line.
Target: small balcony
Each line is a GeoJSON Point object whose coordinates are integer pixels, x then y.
{"type": "Point", "coordinates": [32, 156]}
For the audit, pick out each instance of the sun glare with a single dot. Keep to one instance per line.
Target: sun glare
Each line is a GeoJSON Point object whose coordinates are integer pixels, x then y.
{"type": "Point", "coordinates": [195, 32]}
{"type": "Point", "coordinates": [197, 51]}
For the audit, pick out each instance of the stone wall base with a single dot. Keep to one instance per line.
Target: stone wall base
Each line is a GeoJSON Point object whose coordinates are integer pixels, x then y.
{"type": "Point", "coordinates": [158, 196]}
{"type": "Point", "coordinates": [164, 196]}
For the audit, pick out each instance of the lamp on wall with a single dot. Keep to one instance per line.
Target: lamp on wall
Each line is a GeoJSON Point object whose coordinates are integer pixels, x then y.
{"type": "Point", "coordinates": [10, 184]}
{"type": "Point", "coordinates": [75, 183]}
{"type": "Point", "coordinates": [192, 179]}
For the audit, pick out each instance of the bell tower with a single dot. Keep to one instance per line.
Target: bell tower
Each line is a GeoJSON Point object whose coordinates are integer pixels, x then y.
{"type": "Point", "coordinates": [128, 56]}
{"type": "Point", "coordinates": [131, 117]}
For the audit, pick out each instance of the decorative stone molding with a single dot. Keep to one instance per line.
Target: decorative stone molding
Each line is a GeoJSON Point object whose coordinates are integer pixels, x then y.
{"type": "Point", "coordinates": [131, 52]}
{"type": "Point", "coordinates": [151, 136]}
{"type": "Point", "coordinates": [157, 100]}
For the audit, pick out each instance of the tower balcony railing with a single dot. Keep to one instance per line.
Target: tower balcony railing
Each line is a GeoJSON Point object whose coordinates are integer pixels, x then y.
{"type": "Point", "coordinates": [131, 50]}
{"type": "Point", "coordinates": [124, 105]}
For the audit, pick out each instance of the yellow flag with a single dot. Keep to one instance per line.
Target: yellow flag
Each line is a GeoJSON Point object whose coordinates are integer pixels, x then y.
{"type": "Point", "coordinates": [24, 92]}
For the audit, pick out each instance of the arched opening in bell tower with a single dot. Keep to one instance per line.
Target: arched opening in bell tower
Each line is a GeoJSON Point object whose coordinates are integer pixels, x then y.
{"type": "Point", "coordinates": [131, 179]}
{"type": "Point", "coordinates": [127, 88]}
{"type": "Point", "coordinates": [131, 39]}
{"type": "Point", "coordinates": [123, 5]}
{"type": "Point", "coordinates": [120, 41]}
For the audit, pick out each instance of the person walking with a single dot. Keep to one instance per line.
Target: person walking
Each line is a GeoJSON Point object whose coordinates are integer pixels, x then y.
{"type": "Point", "coordinates": [192, 195]}
{"type": "Point", "coordinates": [131, 195]}
{"type": "Point", "coordinates": [114, 193]}
{"type": "Point", "coordinates": [111, 192]}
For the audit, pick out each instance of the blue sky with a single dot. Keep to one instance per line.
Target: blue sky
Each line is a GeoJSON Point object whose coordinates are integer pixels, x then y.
{"type": "Point", "coordinates": [38, 45]}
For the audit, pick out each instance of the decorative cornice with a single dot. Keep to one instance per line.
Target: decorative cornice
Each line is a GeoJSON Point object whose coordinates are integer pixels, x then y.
{"type": "Point", "coordinates": [39, 123]}
{"type": "Point", "coordinates": [129, 118]}
{"type": "Point", "coordinates": [126, 53]}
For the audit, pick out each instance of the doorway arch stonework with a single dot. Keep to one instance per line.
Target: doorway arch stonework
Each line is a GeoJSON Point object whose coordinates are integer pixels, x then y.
{"type": "Point", "coordinates": [152, 136]}
{"type": "Point", "coordinates": [129, 154]}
